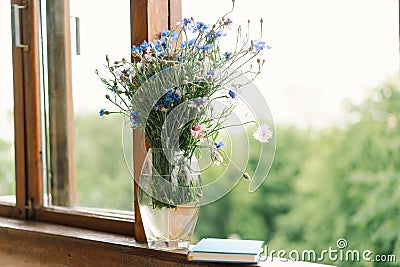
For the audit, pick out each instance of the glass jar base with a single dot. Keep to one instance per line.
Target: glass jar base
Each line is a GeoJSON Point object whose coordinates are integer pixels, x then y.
{"type": "Point", "coordinates": [168, 245]}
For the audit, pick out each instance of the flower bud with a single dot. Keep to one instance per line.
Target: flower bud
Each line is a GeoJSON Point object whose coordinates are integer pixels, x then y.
{"type": "Point", "coordinates": [246, 176]}
{"type": "Point", "coordinates": [108, 96]}
{"type": "Point", "coordinates": [107, 58]}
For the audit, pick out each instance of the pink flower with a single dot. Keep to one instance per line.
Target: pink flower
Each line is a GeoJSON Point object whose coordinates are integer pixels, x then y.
{"type": "Point", "coordinates": [263, 133]}
{"type": "Point", "coordinates": [198, 131]}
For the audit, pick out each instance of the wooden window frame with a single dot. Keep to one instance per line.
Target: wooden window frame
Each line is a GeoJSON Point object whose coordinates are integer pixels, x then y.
{"type": "Point", "coordinates": [148, 18]}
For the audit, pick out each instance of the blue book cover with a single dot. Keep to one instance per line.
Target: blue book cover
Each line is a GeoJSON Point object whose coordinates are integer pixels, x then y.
{"type": "Point", "coordinates": [226, 250]}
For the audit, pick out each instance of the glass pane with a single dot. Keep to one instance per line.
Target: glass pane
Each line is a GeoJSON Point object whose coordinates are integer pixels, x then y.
{"type": "Point", "coordinates": [332, 82]}
{"type": "Point", "coordinates": [102, 179]}
{"type": "Point", "coordinates": [7, 169]}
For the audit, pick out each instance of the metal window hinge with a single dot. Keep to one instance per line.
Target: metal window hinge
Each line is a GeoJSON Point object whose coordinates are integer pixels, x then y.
{"type": "Point", "coordinates": [30, 209]}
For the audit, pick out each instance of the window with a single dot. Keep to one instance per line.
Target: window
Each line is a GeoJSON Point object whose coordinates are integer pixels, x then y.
{"type": "Point", "coordinates": [56, 104]}
{"type": "Point", "coordinates": [98, 177]}
{"type": "Point", "coordinates": [7, 166]}
{"type": "Point", "coordinates": [33, 179]}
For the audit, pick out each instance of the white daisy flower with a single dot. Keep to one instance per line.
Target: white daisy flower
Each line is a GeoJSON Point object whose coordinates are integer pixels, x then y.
{"type": "Point", "coordinates": [263, 133]}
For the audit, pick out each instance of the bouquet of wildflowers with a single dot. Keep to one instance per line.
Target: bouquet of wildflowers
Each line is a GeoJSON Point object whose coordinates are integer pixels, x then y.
{"type": "Point", "coordinates": [185, 70]}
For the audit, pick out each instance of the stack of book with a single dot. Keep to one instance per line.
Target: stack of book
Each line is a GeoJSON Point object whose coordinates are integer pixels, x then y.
{"type": "Point", "coordinates": [226, 250]}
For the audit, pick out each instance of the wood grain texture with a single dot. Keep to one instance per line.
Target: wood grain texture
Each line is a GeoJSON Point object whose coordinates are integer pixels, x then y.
{"type": "Point", "coordinates": [62, 159]}
{"type": "Point", "coordinates": [32, 103]}
{"type": "Point", "coordinates": [148, 19]}
{"type": "Point", "coordinates": [7, 210]}
{"type": "Point", "coordinates": [139, 32]}
{"type": "Point", "coordinates": [175, 12]}
{"type": "Point", "coordinates": [19, 131]}
{"type": "Point", "coordinates": [65, 216]}
{"type": "Point", "coordinates": [26, 243]}
{"type": "Point", "coordinates": [39, 244]}
{"type": "Point", "coordinates": [139, 156]}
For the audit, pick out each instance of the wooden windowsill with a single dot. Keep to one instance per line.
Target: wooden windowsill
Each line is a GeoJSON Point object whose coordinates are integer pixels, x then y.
{"type": "Point", "coordinates": [29, 243]}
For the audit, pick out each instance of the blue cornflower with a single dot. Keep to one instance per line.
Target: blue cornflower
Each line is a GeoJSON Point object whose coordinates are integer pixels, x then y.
{"type": "Point", "coordinates": [228, 22]}
{"type": "Point", "coordinates": [134, 118]}
{"type": "Point", "coordinates": [144, 45]}
{"type": "Point", "coordinates": [174, 36]}
{"type": "Point", "coordinates": [171, 96]}
{"type": "Point", "coordinates": [214, 35]}
{"type": "Point", "coordinates": [189, 43]}
{"type": "Point", "coordinates": [219, 33]}
{"type": "Point", "coordinates": [163, 43]}
{"type": "Point", "coordinates": [206, 47]}
{"type": "Point", "coordinates": [219, 144]}
{"type": "Point", "coordinates": [259, 45]}
{"type": "Point", "coordinates": [201, 26]}
{"type": "Point", "coordinates": [102, 112]}
{"type": "Point", "coordinates": [216, 156]}
{"type": "Point", "coordinates": [227, 55]}
{"type": "Point", "coordinates": [186, 23]}
{"type": "Point", "coordinates": [168, 97]}
{"type": "Point", "coordinates": [159, 45]}
{"type": "Point", "coordinates": [167, 33]}
{"type": "Point", "coordinates": [198, 103]}
{"type": "Point", "coordinates": [136, 48]}
{"type": "Point", "coordinates": [232, 94]}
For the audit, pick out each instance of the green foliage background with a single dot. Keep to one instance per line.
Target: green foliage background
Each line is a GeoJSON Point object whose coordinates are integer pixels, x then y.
{"type": "Point", "coordinates": [337, 182]}
{"type": "Point", "coordinates": [7, 168]}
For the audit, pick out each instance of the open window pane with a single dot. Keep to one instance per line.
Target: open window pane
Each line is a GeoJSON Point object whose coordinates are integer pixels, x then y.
{"type": "Point", "coordinates": [85, 161]}
{"type": "Point", "coordinates": [7, 163]}
{"type": "Point", "coordinates": [102, 177]}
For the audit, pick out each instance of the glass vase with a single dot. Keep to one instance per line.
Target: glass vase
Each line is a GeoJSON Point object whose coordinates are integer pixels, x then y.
{"type": "Point", "coordinates": [169, 196]}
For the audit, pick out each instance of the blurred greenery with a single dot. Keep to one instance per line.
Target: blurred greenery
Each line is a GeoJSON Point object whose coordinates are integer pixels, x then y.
{"type": "Point", "coordinates": [337, 182]}
{"type": "Point", "coordinates": [342, 181]}
{"type": "Point", "coordinates": [103, 179]}
{"type": "Point", "coordinates": [7, 169]}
